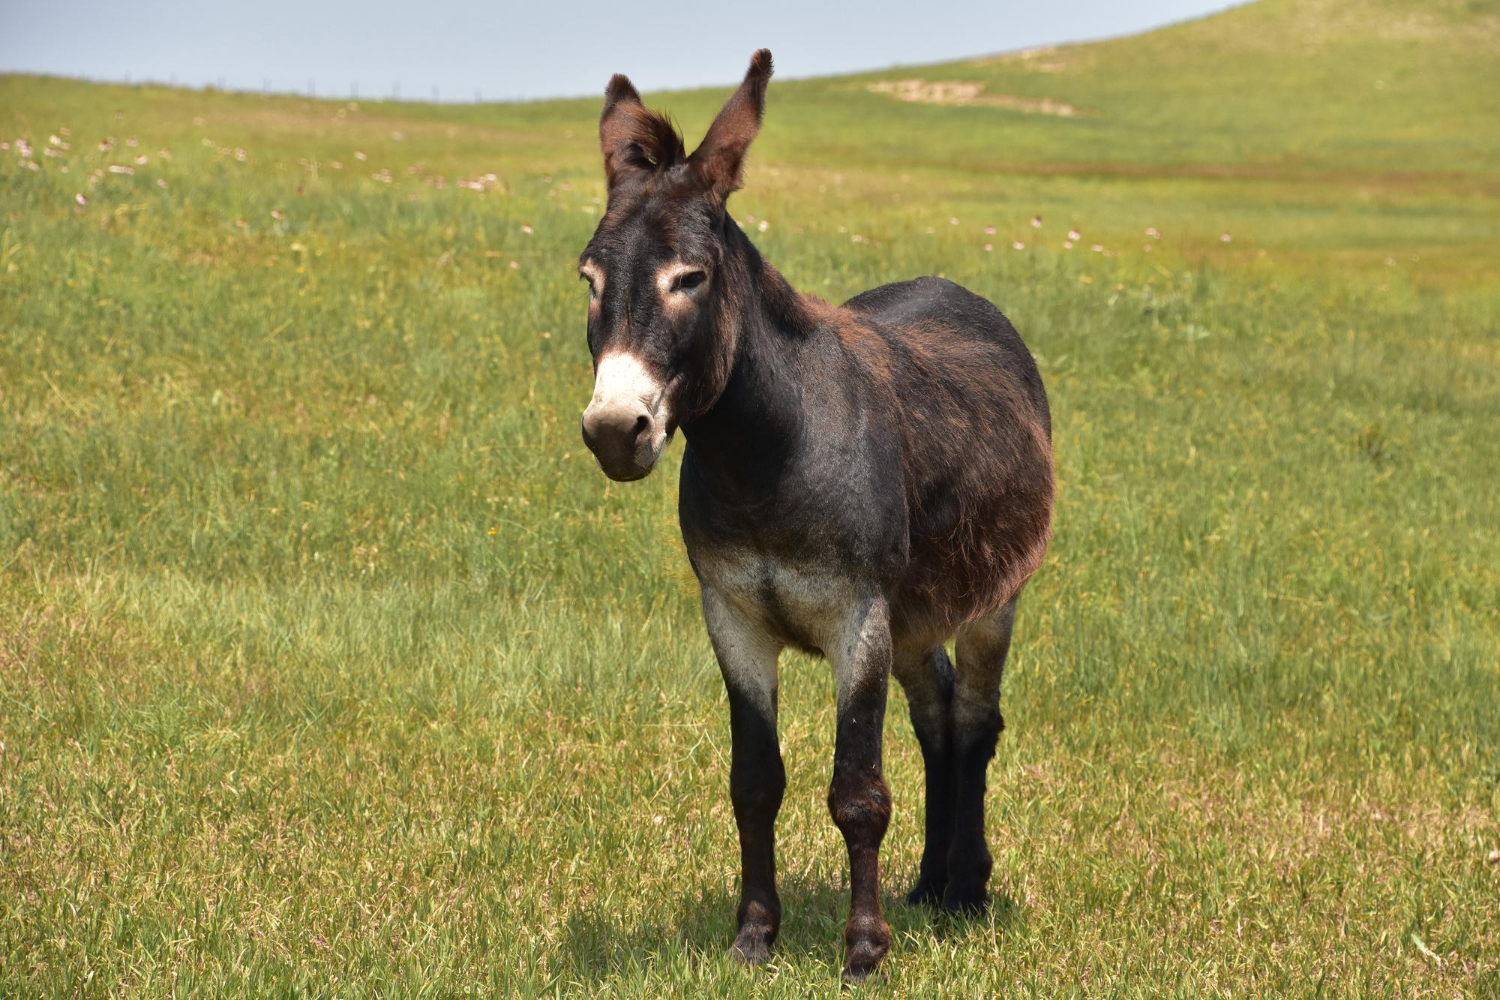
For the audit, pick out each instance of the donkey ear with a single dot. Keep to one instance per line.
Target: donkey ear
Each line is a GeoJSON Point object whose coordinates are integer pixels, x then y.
{"type": "Point", "coordinates": [719, 160]}
{"type": "Point", "coordinates": [634, 139]}
{"type": "Point", "coordinates": [618, 126]}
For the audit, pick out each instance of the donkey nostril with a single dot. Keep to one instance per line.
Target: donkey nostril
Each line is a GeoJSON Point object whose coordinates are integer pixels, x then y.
{"type": "Point", "coordinates": [642, 425]}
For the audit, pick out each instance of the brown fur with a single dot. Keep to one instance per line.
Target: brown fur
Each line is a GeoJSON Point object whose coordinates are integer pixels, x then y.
{"type": "Point", "coordinates": [634, 138]}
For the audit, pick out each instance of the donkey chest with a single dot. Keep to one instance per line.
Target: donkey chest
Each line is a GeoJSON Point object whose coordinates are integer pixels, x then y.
{"type": "Point", "coordinates": [800, 604]}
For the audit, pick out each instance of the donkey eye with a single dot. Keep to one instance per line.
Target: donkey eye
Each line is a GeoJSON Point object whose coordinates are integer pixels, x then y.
{"type": "Point", "coordinates": [590, 282]}
{"type": "Point", "coordinates": [688, 281]}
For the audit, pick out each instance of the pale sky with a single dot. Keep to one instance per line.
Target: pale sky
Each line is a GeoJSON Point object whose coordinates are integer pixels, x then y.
{"type": "Point", "coordinates": [514, 50]}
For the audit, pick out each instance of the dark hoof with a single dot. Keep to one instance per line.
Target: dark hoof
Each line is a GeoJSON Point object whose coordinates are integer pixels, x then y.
{"type": "Point", "coordinates": [927, 892]}
{"type": "Point", "coordinates": [752, 946]}
{"type": "Point", "coordinates": [855, 977]}
{"type": "Point", "coordinates": [965, 900]}
{"type": "Point", "coordinates": [758, 922]}
{"type": "Point", "coordinates": [866, 944]}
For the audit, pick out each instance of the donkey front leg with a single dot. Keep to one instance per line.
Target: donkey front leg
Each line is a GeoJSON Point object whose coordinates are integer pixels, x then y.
{"type": "Point", "coordinates": [757, 779]}
{"type": "Point", "coordinates": [858, 797]}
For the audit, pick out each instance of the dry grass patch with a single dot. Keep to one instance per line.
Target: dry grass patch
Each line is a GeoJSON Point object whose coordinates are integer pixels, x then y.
{"type": "Point", "coordinates": [968, 92]}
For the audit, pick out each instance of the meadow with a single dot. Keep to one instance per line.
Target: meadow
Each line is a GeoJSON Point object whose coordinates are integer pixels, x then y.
{"type": "Point", "coordinates": [331, 665]}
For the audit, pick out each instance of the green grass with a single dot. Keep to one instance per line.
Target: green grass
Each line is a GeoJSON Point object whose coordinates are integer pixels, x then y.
{"type": "Point", "coordinates": [330, 665]}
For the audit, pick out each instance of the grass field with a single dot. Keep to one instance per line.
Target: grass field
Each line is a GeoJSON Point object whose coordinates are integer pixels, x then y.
{"type": "Point", "coordinates": [330, 665]}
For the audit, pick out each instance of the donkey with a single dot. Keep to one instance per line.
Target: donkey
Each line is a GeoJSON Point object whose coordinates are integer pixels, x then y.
{"type": "Point", "coordinates": [861, 481]}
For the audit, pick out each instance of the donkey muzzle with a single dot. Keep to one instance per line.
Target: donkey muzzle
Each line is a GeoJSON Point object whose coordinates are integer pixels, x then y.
{"type": "Point", "coordinates": [626, 423]}
{"type": "Point", "coordinates": [623, 437]}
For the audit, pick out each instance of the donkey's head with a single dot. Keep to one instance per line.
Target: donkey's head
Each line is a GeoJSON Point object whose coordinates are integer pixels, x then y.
{"type": "Point", "coordinates": [660, 293]}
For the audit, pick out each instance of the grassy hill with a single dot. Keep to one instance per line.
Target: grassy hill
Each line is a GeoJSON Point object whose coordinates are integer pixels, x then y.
{"type": "Point", "coordinates": [331, 665]}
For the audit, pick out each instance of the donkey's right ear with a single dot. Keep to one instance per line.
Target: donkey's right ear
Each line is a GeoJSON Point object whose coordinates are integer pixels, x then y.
{"type": "Point", "coordinates": [622, 106]}
{"type": "Point", "coordinates": [634, 139]}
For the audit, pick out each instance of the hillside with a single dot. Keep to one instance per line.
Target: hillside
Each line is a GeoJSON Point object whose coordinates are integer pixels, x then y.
{"type": "Point", "coordinates": [1353, 128]}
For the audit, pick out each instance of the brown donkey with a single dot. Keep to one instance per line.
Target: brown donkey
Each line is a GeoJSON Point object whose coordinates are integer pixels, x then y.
{"type": "Point", "coordinates": [863, 481]}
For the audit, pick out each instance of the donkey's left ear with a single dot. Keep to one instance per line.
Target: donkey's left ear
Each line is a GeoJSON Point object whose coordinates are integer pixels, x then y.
{"type": "Point", "coordinates": [719, 160]}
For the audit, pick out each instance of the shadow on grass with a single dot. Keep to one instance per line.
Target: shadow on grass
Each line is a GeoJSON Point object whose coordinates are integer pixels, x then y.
{"type": "Point", "coordinates": [698, 932]}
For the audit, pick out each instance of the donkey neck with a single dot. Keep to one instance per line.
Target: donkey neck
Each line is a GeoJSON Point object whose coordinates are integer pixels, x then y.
{"type": "Point", "coordinates": [746, 442]}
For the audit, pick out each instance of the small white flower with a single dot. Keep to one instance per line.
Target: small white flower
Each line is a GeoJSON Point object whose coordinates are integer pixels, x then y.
{"type": "Point", "coordinates": [1018, 245]}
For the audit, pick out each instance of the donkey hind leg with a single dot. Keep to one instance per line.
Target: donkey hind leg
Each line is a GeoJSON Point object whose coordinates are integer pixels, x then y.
{"type": "Point", "coordinates": [757, 779]}
{"type": "Point", "coordinates": [927, 679]}
{"type": "Point", "coordinates": [858, 796]}
{"type": "Point", "coordinates": [976, 724]}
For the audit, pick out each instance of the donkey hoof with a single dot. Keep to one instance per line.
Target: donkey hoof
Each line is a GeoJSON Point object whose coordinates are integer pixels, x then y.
{"type": "Point", "coordinates": [927, 892]}
{"type": "Point", "coordinates": [752, 946]}
{"type": "Point", "coordinates": [858, 977]}
{"type": "Point", "coordinates": [865, 943]}
{"type": "Point", "coordinates": [965, 899]}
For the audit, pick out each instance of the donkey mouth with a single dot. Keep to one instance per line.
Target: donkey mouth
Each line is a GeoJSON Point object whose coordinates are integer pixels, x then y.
{"type": "Point", "coordinates": [623, 458]}
{"type": "Point", "coordinates": [629, 473]}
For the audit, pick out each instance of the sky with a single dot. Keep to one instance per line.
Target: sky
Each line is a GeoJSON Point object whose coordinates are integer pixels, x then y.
{"type": "Point", "coordinates": [506, 51]}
